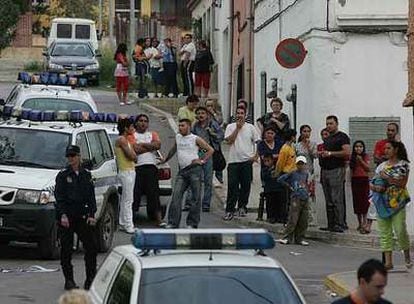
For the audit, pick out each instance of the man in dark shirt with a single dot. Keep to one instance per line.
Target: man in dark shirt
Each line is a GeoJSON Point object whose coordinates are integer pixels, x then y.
{"type": "Point", "coordinates": [75, 212]}
{"type": "Point", "coordinates": [372, 279]}
{"type": "Point", "coordinates": [335, 155]}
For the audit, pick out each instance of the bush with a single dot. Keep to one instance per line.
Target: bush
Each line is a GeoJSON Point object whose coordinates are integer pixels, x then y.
{"type": "Point", "coordinates": [33, 66]}
{"type": "Point", "coordinates": [107, 66]}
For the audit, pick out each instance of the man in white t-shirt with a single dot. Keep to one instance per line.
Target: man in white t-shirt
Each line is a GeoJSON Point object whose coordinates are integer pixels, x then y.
{"type": "Point", "coordinates": [187, 54]}
{"type": "Point", "coordinates": [155, 61]}
{"type": "Point", "coordinates": [146, 180]}
{"type": "Point", "coordinates": [187, 146]}
{"type": "Point", "coordinates": [242, 138]}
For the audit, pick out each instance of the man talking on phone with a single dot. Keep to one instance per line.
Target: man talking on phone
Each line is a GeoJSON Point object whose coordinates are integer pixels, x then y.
{"type": "Point", "coordinates": [75, 212]}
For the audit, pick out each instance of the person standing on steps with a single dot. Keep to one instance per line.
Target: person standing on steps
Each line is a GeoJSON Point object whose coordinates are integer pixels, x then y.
{"type": "Point", "coordinates": [75, 213]}
{"type": "Point", "coordinates": [188, 54]}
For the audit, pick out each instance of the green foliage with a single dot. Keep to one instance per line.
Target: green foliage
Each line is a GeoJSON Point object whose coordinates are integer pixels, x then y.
{"type": "Point", "coordinates": [9, 16]}
{"type": "Point", "coordinates": [107, 66]}
{"type": "Point", "coordinates": [74, 9]}
{"type": "Point", "coordinates": [33, 66]}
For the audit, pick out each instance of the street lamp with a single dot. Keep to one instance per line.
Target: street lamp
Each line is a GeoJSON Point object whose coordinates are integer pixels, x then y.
{"type": "Point", "coordinates": [292, 97]}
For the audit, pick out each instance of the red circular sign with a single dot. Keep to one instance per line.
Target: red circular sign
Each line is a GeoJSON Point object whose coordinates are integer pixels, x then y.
{"type": "Point", "coordinates": [290, 53]}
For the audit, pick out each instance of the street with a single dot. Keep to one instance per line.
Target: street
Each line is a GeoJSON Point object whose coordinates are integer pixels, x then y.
{"type": "Point", "coordinates": [307, 265]}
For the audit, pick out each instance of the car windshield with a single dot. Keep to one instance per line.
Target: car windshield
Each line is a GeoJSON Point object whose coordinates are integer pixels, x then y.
{"type": "Point", "coordinates": [56, 104]}
{"type": "Point", "coordinates": [211, 285]}
{"type": "Point", "coordinates": [72, 49]}
{"type": "Point", "coordinates": [33, 148]}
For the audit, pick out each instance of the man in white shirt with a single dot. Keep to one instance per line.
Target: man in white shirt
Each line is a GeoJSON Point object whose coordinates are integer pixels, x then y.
{"type": "Point", "coordinates": [146, 181]}
{"type": "Point", "coordinates": [187, 146]}
{"type": "Point", "coordinates": [242, 138]}
{"type": "Point", "coordinates": [155, 60]}
{"type": "Point", "coordinates": [188, 54]}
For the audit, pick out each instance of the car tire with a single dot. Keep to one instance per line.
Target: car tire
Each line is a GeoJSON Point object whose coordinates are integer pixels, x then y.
{"type": "Point", "coordinates": [106, 229]}
{"type": "Point", "coordinates": [49, 246]}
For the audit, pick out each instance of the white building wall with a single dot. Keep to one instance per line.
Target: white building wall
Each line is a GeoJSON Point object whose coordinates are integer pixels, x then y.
{"type": "Point", "coordinates": [347, 75]}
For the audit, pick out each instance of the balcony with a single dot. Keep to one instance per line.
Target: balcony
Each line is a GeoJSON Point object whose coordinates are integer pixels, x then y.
{"type": "Point", "coordinates": [375, 14]}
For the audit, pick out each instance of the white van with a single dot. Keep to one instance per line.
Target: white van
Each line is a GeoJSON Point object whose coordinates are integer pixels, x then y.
{"type": "Point", "coordinates": [73, 28]}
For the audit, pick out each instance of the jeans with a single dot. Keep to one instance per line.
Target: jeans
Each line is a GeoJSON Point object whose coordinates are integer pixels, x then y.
{"type": "Point", "coordinates": [127, 179]}
{"type": "Point", "coordinates": [189, 177]}
{"type": "Point", "coordinates": [333, 188]}
{"type": "Point", "coordinates": [207, 178]}
{"type": "Point", "coordinates": [298, 220]}
{"type": "Point", "coordinates": [146, 182]}
{"type": "Point", "coordinates": [240, 177]}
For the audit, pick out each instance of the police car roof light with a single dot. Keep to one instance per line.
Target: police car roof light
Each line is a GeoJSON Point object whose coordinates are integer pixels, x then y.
{"type": "Point", "coordinates": [25, 113]}
{"type": "Point", "coordinates": [48, 116]}
{"type": "Point", "coordinates": [202, 239]}
{"type": "Point", "coordinates": [36, 115]}
{"type": "Point", "coordinates": [111, 117]}
{"type": "Point", "coordinates": [97, 117]}
{"type": "Point", "coordinates": [7, 110]}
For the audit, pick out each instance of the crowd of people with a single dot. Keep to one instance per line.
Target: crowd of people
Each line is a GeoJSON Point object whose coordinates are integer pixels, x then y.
{"type": "Point", "coordinates": [160, 62]}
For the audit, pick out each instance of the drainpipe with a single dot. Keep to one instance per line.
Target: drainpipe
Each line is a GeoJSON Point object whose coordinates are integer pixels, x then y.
{"type": "Point", "coordinates": [251, 50]}
{"type": "Point", "coordinates": [409, 99]}
{"type": "Point", "coordinates": [230, 63]}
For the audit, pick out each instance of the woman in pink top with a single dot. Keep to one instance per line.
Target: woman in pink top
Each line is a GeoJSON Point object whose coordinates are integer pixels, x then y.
{"type": "Point", "coordinates": [121, 74]}
{"type": "Point", "coordinates": [359, 165]}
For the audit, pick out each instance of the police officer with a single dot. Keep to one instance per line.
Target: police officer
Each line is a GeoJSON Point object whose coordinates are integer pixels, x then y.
{"type": "Point", "coordinates": [75, 211]}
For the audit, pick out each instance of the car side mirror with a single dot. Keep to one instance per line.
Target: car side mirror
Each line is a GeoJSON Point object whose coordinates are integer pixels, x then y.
{"type": "Point", "coordinates": [87, 164]}
{"type": "Point", "coordinates": [2, 102]}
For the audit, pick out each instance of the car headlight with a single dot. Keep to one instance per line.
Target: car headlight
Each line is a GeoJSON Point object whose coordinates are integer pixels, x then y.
{"type": "Point", "coordinates": [54, 66]}
{"type": "Point", "coordinates": [94, 66]}
{"type": "Point", "coordinates": [34, 196]}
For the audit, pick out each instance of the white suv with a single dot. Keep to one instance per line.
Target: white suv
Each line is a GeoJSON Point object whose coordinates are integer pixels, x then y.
{"type": "Point", "coordinates": [50, 97]}
{"type": "Point", "coordinates": [31, 155]}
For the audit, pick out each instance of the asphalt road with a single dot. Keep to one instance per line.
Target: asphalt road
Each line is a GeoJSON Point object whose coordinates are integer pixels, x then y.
{"type": "Point", "coordinates": [307, 265]}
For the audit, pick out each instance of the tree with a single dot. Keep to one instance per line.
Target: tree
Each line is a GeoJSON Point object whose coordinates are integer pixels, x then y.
{"type": "Point", "coordinates": [9, 16]}
{"type": "Point", "coordinates": [73, 8]}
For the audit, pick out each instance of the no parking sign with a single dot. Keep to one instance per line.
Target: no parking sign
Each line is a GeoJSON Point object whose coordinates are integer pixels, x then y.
{"type": "Point", "coordinates": [290, 53]}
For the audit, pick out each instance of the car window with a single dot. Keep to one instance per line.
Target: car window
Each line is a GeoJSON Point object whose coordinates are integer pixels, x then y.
{"type": "Point", "coordinates": [97, 149]}
{"type": "Point", "coordinates": [72, 49]}
{"type": "Point", "coordinates": [56, 104]}
{"type": "Point", "coordinates": [121, 289]}
{"type": "Point", "coordinates": [13, 96]}
{"type": "Point", "coordinates": [33, 148]}
{"type": "Point", "coordinates": [64, 31]}
{"type": "Point", "coordinates": [105, 274]}
{"type": "Point", "coordinates": [208, 285]}
{"type": "Point", "coordinates": [82, 31]}
{"type": "Point", "coordinates": [83, 145]}
{"type": "Point", "coordinates": [106, 145]}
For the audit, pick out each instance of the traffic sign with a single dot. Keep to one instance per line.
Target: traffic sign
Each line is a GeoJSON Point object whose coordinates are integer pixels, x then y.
{"type": "Point", "coordinates": [290, 53]}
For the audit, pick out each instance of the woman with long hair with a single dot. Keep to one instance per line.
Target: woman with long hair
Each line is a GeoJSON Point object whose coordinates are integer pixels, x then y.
{"type": "Point", "coordinates": [121, 74]}
{"type": "Point", "coordinates": [390, 196]}
{"type": "Point", "coordinates": [359, 164]}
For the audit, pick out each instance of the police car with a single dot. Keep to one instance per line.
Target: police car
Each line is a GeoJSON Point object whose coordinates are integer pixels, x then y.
{"type": "Point", "coordinates": [202, 266]}
{"type": "Point", "coordinates": [49, 97]}
{"type": "Point", "coordinates": [32, 152]}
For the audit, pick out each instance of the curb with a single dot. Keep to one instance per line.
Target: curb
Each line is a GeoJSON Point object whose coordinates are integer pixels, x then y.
{"type": "Point", "coordinates": [336, 285]}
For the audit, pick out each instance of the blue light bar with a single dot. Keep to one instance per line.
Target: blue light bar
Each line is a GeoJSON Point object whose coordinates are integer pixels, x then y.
{"type": "Point", "coordinates": [97, 117]}
{"type": "Point", "coordinates": [48, 116]}
{"type": "Point", "coordinates": [75, 115]}
{"type": "Point", "coordinates": [111, 117]}
{"type": "Point", "coordinates": [7, 110]}
{"type": "Point", "coordinates": [44, 77]}
{"type": "Point", "coordinates": [35, 115]}
{"type": "Point", "coordinates": [26, 113]}
{"type": "Point", "coordinates": [202, 239]}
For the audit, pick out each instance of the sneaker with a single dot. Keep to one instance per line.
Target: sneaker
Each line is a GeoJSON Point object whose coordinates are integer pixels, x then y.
{"type": "Point", "coordinates": [122, 104]}
{"type": "Point", "coordinates": [303, 243]}
{"type": "Point", "coordinates": [70, 284]}
{"type": "Point", "coordinates": [192, 226]}
{"type": "Point", "coordinates": [162, 224]}
{"type": "Point", "coordinates": [242, 212]}
{"type": "Point", "coordinates": [228, 216]}
{"type": "Point", "coordinates": [169, 226]}
{"type": "Point", "coordinates": [130, 230]}
{"type": "Point", "coordinates": [128, 102]}
{"type": "Point", "coordinates": [283, 241]}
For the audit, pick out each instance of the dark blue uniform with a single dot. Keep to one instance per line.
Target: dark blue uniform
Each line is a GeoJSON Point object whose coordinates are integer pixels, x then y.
{"type": "Point", "coordinates": [75, 197]}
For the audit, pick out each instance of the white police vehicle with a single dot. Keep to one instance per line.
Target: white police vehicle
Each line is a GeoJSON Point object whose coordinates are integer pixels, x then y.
{"type": "Point", "coordinates": [49, 97]}
{"type": "Point", "coordinates": [203, 266]}
{"type": "Point", "coordinates": [32, 152]}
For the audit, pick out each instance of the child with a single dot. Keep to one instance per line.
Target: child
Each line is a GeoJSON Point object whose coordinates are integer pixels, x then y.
{"type": "Point", "coordinates": [272, 189]}
{"type": "Point", "coordinates": [297, 181]}
{"type": "Point", "coordinates": [360, 183]}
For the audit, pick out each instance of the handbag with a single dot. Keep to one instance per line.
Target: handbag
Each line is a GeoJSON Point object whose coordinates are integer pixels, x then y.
{"type": "Point", "coordinates": [219, 162]}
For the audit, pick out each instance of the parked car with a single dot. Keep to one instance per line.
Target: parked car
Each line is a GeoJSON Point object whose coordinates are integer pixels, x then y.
{"type": "Point", "coordinates": [203, 266]}
{"type": "Point", "coordinates": [50, 97]}
{"type": "Point", "coordinates": [75, 58]}
{"type": "Point", "coordinates": [31, 155]}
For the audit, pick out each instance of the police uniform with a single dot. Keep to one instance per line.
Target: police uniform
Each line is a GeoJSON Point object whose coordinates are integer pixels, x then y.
{"type": "Point", "coordinates": [75, 197]}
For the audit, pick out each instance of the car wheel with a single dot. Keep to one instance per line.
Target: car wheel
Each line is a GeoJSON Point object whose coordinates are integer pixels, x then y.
{"type": "Point", "coordinates": [106, 229]}
{"type": "Point", "coordinates": [49, 246]}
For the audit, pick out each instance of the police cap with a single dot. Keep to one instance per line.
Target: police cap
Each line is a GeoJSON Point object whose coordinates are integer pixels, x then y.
{"type": "Point", "coordinates": [72, 150]}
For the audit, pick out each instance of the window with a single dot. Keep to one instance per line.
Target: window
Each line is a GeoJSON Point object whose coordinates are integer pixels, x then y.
{"type": "Point", "coordinates": [83, 145]}
{"type": "Point", "coordinates": [106, 145]}
{"type": "Point", "coordinates": [82, 31]}
{"type": "Point", "coordinates": [64, 31]}
{"type": "Point", "coordinates": [121, 289]}
{"type": "Point", "coordinates": [97, 149]}
{"type": "Point", "coordinates": [72, 49]}
{"type": "Point", "coordinates": [105, 274]}
{"type": "Point", "coordinates": [204, 285]}
{"type": "Point", "coordinates": [56, 104]}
